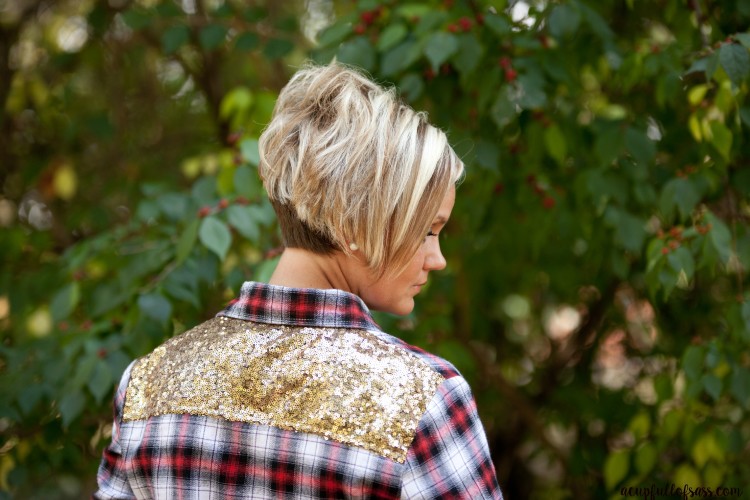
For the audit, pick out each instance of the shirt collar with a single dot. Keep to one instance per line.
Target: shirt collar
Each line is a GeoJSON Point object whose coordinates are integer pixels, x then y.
{"type": "Point", "coordinates": [283, 305]}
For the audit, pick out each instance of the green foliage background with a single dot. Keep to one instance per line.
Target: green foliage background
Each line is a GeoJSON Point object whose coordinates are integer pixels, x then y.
{"type": "Point", "coordinates": [596, 295]}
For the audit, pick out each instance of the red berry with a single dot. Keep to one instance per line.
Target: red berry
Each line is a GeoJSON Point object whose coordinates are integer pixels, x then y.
{"type": "Point", "coordinates": [204, 212]}
{"type": "Point", "coordinates": [674, 244]}
{"type": "Point", "coordinates": [448, 3]}
{"type": "Point", "coordinates": [360, 29]}
{"type": "Point", "coordinates": [238, 159]}
{"type": "Point", "coordinates": [465, 23]}
{"type": "Point", "coordinates": [544, 40]}
{"type": "Point", "coordinates": [675, 232]}
{"type": "Point", "coordinates": [452, 28]}
{"type": "Point", "coordinates": [504, 62]}
{"type": "Point", "coordinates": [499, 188]}
{"type": "Point", "coordinates": [531, 179]}
{"type": "Point", "coordinates": [510, 75]}
{"type": "Point", "coordinates": [429, 74]}
{"type": "Point", "coordinates": [368, 17]}
{"type": "Point", "coordinates": [445, 69]}
{"type": "Point", "coordinates": [480, 19]}
{"type": "Point", "coordinates": [224, 203]}
{"type": "Point", "coordinates": [664, 250]}
{"type": "Point", "coordinates": [62, 326]}
{"type": "Point", "coordinates": [548, 202]}
{"type": "Point", "coordinates": [241, 200]}
{"type": "Point", "coordinates": [102, 353]}
{"type": "Point", "coordinates": [233, 138]}
{"type": "Point", "coordinates": [86, 325]}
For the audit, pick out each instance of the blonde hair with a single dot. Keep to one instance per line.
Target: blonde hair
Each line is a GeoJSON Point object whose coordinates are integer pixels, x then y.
{"type": "Point", "coordinates": [345, 161]}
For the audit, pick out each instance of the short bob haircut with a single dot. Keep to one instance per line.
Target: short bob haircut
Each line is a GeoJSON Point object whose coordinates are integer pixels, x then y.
{"type": "Point", "coordinates": [346, 161]}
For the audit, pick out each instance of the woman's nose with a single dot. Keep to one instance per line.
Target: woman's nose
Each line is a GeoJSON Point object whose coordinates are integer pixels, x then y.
{"type": "Point", "coordinates": [434, 260]}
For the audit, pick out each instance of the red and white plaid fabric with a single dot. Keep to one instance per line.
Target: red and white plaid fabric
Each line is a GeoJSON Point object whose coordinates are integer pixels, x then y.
{"type": "Point", "coordinates": [197, 457]}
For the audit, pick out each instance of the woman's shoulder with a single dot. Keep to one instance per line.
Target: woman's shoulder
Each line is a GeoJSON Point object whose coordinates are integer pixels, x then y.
{"type": "Point", "coordinates": [442, 366]}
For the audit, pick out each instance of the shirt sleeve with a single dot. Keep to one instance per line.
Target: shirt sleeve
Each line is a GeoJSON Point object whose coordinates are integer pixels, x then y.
{"type": "Point", "coordinates": [450, 457]}
{"type": "Point", "coordinates": [111, 477]}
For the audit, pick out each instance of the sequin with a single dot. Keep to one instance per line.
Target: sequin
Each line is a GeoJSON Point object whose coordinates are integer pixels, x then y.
{"type": "Point", "coordinates": [342, 384]}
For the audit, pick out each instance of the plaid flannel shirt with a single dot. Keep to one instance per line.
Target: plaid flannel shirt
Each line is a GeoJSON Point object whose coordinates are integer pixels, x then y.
{"type": "Point", "coordinates": [195, 456]}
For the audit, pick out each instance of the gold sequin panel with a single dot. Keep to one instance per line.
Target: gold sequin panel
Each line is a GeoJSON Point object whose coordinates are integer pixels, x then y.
{"type": "Point", "coordinates": [345, 385]}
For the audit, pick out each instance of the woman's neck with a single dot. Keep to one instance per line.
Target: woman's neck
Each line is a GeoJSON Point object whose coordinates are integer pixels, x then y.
{"type": "Point", "coordinates": [300, 268]}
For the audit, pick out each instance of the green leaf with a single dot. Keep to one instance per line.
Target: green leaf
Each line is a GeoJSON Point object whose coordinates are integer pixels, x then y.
{"type": "Point", "coordinates": [101, 382]}
{"type": "Point", "coordinates": [563, 20]}
{"type": "Point", "coordinates": [255, 14]}
{"type": "Point", "coordinates": [215, 235]}
{"type": "Point", "coordinates": [596, 22]}
{"type": "Point", "coordinates": [429, 21]}
{"type": "Point", "coordinates": [554, 140]}
{"type": "Point", "coordinates": [276, 48]}
{"type": "Point", "coordinates": [498, 24]}
{"type": "Point", "coordinates": [745, 116]}
{"type": "Point", "coordinates": [174, 38]}
{"type": "Point", "coordinates": [706, 65]}
{"type": "Point", "coordinates": [735, 60]}
{"type": "Point", "coordinates": [640, 425]}
{"type": "Point", "coordinates": [107, 296]}
{"type": "Point", "coordinates": [265, 269]}
{"type": "Point", "coordinates": [503, 110]}
{"type": "Point", "coordinates": [411, 86]}
{"type": "Point", "coordinates": [169, 10]}
{"type": "Point", "coordinates": [187, 241]}
{"type": "Point", "coordinates": [334, 34]}
{"type": "Point", "coordinates": [692, 362]}
{"type": "Point", "coordinates": [249, 151]}
{"type": "Point", "coordinates": [212, 36]}
{"type": "Point", "coordinates": [247, 41]}
{"type": "Point", "coordinates": [680, 193]}
{"type": "Point", "coordinates": [71, 405]}
{"type": "Point", "coordinates": [739, 385]}
{"type": "Point", "coordinates": [743, 38]}
{"type": "Point", "coordinates": [645, 458]}
{"type": "Point", "coordinates": [182, 284]}
{"type": "Point", "coordinates": [439, 47]}
{"type": "Point", "coordinates": [399, 57]}
{"type": "Point", "coordinates": [155, 306]}
{"type": "Point", "coordinates": [719, 238]}
{"type": "Point", "coordinates": [712, 385]}
{"type": "Point", "coordinates": [137, 19]}
{"type": "Point", "coordinates": [721, 138]}
{"type": "Point", "coordinates": [358, 52]}
{"type": "Point", "coordinates": [65, 301]}
{"type": "Point", "coordinates": [640, 146]}
{"type": "Point", "coordinates": [629, 229]}
{"type": "Point", "coordinates": [681, 260]}
{"type": "Point", "coordinates": [687, 475]}
{"type": "Point", "coordinates": [488, 155]}
{"type": "Point", "coordinates": [616, 468]}
{"type": "Point", "coordinates": [469, 54]}
{"type": "Point", "coordinates": [390, 36]}
{"type": "Point", "coordinates": [532, 94]}
{"type": "Point", "coordinates": [246, 182]}
{"type": "Point", "coordinates": [707, 448]}
{"type": "Point", "coordinates": [243, 220]}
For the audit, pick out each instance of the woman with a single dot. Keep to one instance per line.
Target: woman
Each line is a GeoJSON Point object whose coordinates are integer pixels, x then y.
{"type": "Point", "coordinates": [293, 390]}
